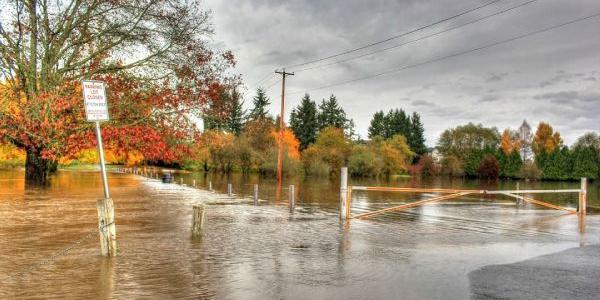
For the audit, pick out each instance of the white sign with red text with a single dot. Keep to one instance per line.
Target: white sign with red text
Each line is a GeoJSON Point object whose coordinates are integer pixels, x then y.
{"type": "Point", "coordinates": [94, 98]}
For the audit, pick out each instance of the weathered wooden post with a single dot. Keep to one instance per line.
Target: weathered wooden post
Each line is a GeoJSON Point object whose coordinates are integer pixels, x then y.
{"type": "Point", "coordinates": [292, 198]}
{"type": "Point", "coordinates": [210, 186]}
{"type": "Point", "coordinates": [107, 228]}
{"type": "Point", "coordinates": [198, 220]}
{"type": "Point", "coordinates": [519, 201]}
{"type": "Point", "coordinates": [256, 194]}
{"type": "Point", "coordinates": [194, 183]}
{"type": "Point", "coordinates": [229, 190]}
{"type": "Point", "coordinates": [181, 180]}
{"type": "Point", "coordinates": [582, 204]}
{"type": "Point", "coordinates": [343, 192]}
{"type": "Point", "coordinates": [583, 196]}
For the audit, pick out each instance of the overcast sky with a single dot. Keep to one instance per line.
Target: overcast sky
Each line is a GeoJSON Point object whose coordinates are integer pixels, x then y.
{"type": "Point", "coordinates": [553, 76]}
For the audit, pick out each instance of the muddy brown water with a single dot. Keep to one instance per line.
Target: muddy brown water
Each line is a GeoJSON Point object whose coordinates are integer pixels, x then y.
{"type": "Point", "coordinates": [49, 247]}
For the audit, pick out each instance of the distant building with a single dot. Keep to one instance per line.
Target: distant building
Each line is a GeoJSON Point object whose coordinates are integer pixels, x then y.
{"type": "Point", "coordinates": [435, 154]}
{"type": "Point", "coordinates": [525, 137]}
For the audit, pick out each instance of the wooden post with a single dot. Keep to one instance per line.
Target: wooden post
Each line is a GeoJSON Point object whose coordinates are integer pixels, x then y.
{"type": "Point", "coordinates": [583, 197]}
{"type": "Point", "coordinates": [107, 228]}
{"type": "Point", "coordinates": [343, 192]}
{"type": "Point", "coordinates": [256, 194]}
{"type": "Point", "coordinates": [198, 220]}
{"type": "Point", "coordinates": [181, 180]}
{"type": "Point", "coordinates": [210, 186]}
{"type": "Point", "coordinates": [519, 201]}
{"type": "Point", "coordinates": [292, 198]}
{"type": "Point", "coordinates": [348, 202]}
{"type": "Point", "coordinates": [281, 127]}
{"type": "Point", "coordinates": [194, 183]}
{"type": "Point", "coordinates": [229, 190]}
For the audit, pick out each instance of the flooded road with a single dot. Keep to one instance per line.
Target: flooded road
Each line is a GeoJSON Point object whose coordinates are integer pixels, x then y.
{"type": "Point", "coordinates": [264, 252]}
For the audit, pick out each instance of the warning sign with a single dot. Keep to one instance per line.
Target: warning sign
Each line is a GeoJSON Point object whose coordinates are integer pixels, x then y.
{"type": "Point", "coordinates": [94, 98]}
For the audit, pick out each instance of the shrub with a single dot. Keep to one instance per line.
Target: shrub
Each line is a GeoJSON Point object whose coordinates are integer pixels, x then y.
{"type": "Point", "coordinates": [489, 168]}
{"type": "Point", "coordinates": [361, 161]}
{"type": "Point", "coordinates": [451, 166]}
{"type": "Point", "coordinates": [529, 170]}
{"type": "Point", "coordinates": [428, 166]}
{"type": "Point", "coordinates": [330, 152]}
{"type": "Point", "coordinates": [425, 167]}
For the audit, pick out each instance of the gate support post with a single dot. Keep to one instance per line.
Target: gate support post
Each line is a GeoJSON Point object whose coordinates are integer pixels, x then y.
{"type": "Point", "coordinates": [582, 204]}
{"type": "Point", "coordinates": [583, 196]}
{"type": "Point", "coordinates": [343, 192]}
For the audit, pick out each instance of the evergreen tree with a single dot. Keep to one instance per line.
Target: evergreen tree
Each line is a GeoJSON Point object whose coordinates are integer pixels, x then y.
{"type": "Point", "coordinates": [331, 114]}
{"type": "Point", "coordinates": [259, 111]}
{"type": "Point", "coordinates": [416, 138]}
{"type": "Point", "coordinates": [510, 164]}
{"type": "Point", "coordinates": [555, 165]}
{"type": "Point", "coordinates": [236, 113]}
{"type": "Point", "coordinates": [215, 117]}
{"type": "Point", "coordinates": [397, 122]}
{"type": "Point", "coordinates": [473, 160]}
{"type": "Point", "coordinates": [303, 122]}
{"type": "Point", "coordinates": [585, 162]}
{"type": "Point", "coordinates": [378, 125]}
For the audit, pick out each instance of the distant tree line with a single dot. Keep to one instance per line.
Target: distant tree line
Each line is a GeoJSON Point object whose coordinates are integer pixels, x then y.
{"type": "Point", "coordinates": [477, 151]}
{"type": "Point", "coordinates": [320, 139]}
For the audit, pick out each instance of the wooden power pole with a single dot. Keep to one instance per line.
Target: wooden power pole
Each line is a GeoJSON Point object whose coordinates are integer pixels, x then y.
{"type": "Point", "coordinates": [281, 127]}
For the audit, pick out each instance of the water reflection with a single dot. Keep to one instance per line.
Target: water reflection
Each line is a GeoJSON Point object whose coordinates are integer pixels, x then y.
{"type": "Point", "coordinates": [263, 252]}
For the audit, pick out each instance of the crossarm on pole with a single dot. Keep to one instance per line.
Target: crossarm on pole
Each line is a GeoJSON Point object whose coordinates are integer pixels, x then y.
{"type": "Point", "coordinates": [542, 203]}
{"type": "Point", "coordinates": [409, 205]}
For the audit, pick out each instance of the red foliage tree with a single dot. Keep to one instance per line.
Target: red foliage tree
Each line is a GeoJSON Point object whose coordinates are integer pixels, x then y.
{"type": "Point", "coordinates": [489, 168]}
{"type": "Point", "coordinates": [152, 54]}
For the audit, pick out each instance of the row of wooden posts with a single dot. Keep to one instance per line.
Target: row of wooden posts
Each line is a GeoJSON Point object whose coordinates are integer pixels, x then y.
{"type": "Point", "coordinates": [198, 210]}
{"type": "Point", "coordinates": [108, 232]}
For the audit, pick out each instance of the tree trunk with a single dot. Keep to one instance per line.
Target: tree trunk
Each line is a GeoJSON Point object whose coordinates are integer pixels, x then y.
{"type": "Point", "coordinates": [36, 168]}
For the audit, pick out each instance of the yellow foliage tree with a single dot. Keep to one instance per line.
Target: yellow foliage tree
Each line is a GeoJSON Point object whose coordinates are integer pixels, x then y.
{"type": "Point", "coordinates": [546, 139]}
{"type": "Point", "coordinates": [329, 153]}
{"type": "Point", "coordinates": [11, 155]}
{"type": "Point", "coordinates": [510, 142]}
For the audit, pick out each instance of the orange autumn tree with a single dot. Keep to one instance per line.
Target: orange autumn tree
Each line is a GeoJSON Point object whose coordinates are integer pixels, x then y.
{"type": "Point", "coordinates": [153, 55]}
{"type": "Point", "coordinates": [291, 145]}
{"type": "Point", "coordinates": [545, 139]}
{"type": "Point", "coordinates": [509, 142]}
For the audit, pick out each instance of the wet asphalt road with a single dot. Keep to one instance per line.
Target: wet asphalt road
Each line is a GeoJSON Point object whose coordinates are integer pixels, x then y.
{"type": "Point", "coordinates": [569, 274]}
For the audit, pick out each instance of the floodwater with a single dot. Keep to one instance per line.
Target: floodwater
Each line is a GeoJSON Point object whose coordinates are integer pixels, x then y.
{"type": "Point", "coordinates": [49, 244]}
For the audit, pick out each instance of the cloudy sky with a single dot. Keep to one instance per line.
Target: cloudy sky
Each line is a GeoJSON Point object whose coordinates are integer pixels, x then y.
{"type": "Point", "coordinates": [552, 76]}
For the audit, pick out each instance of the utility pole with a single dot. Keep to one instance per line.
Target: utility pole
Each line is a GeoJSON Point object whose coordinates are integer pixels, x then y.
{"type": "Point", "coordinates": [281, 127]}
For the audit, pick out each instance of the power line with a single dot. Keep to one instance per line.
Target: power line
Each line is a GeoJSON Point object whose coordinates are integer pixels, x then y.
{"type": "Point", "coordinates": [455, 54]}
{"type": "Point", "coordinates": [396, 36]}
{"type": "Point", "coordinates": [419, 39]}
{"type": "Point", "coordinates": [270, 86]}
{"type": "Point", "coordinates": [257, 84]}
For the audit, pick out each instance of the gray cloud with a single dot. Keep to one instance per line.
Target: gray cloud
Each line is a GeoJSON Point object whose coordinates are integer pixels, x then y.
{"type": "Point", "coordinates": [489, 98]}
{"type": "Point", "coordinates": [492, 77]}
{"type": "Point", "coordinates": [564, 77]}
{"type": "Point", "coordinates": [422, 103]}
{"type": "Point", "coordinates": [569, 97]}
{"type": "Point", "coordinates": [511, 82]}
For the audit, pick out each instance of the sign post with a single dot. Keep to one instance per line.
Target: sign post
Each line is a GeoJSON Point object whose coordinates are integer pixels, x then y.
{"type": "Point", "coordinates": [96, 110]}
